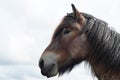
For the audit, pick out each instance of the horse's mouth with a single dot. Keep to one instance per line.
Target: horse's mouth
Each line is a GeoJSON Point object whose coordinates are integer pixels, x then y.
{"type": "Point", "coordinates": [50, 71]}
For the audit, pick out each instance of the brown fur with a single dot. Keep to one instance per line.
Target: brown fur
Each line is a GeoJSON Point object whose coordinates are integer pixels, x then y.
{"type": "Point", "coordinates": [72, 43]}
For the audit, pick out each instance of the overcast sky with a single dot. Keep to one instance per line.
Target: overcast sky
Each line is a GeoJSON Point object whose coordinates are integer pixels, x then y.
{"type": "Point", "coordinates": [26, 28]}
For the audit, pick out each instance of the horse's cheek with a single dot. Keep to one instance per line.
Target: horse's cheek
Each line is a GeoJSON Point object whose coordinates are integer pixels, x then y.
{"type": "Point", "coordinates": [74, 50]}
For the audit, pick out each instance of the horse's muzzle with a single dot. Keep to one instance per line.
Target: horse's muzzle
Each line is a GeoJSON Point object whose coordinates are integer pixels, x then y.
{"type": "Point", "coordinates": [48, 66]}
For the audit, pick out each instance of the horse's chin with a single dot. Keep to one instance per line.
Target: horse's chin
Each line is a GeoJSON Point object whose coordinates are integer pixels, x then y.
{"type": "Point", "coordinates": [51, 75]}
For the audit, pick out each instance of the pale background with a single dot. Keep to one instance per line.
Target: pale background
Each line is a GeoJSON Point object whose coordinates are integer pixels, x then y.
{"type": "Point", "coordinates": [26, 28]}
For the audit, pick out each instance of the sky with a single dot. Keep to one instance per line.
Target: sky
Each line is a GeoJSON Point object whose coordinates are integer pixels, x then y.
{"type": "Point", "coordinates": [26, 28]}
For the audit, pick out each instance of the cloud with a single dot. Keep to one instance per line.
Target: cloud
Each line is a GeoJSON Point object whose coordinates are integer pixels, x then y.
{"type": "Point", "coordinates": [18, 72]}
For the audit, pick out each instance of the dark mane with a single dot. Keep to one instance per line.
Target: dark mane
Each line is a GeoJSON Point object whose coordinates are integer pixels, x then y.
{"type": "Point", "coordinates": [105, 43]}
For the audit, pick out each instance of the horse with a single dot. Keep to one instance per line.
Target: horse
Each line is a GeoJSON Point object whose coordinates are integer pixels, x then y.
{"type": "Point", "coordinates": [82, 37]}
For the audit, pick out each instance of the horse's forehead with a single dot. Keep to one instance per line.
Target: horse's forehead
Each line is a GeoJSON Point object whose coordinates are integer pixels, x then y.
{"type": "Point", "coordinates": [66, 23]}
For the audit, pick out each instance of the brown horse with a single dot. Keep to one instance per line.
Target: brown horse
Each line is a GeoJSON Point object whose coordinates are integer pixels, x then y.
{"type": "Point", "coordinates": [82, 37]}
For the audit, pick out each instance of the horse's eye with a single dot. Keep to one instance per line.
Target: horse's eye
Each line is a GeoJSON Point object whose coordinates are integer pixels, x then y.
{"type": "Point", "coordinates": [66, 31]}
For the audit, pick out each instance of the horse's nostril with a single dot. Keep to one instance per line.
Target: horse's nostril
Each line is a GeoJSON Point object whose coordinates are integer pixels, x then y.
{"type": "Point", "coordinates": [41, 63]}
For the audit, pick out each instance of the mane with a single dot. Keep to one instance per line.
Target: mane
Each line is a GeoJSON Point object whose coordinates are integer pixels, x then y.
{"type": "Point", "coordinates": [105, 44]}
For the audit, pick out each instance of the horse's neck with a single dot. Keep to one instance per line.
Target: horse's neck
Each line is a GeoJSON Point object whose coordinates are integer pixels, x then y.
{"type": "Point", "coordinates": [104, 56]}
{"type": "Point", "coordinates": [100, 73]}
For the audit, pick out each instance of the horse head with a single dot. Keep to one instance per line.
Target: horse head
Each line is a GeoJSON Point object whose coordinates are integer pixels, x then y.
{"type": "Point", "coordinates": [69, 46]}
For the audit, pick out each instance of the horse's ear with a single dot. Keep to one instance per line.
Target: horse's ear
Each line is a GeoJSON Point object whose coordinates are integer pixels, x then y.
{"type": "Point", "coordinates": [77, 14]}
{"type": "Point", "coordinates": [75, 11]}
